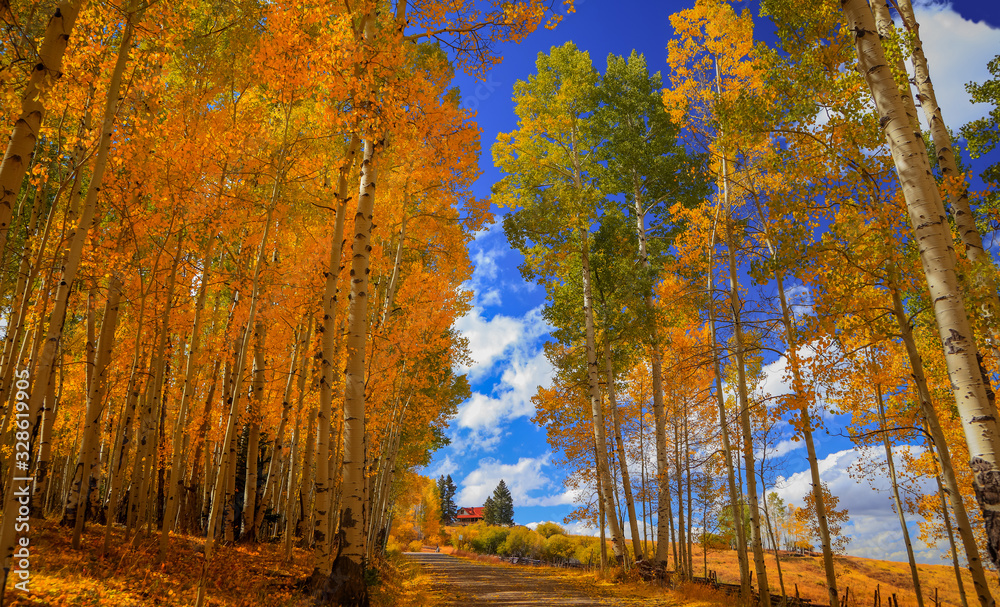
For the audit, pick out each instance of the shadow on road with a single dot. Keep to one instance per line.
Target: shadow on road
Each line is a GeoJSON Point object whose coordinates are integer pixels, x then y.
{"type": "Point", "coordinates": [473, 584]}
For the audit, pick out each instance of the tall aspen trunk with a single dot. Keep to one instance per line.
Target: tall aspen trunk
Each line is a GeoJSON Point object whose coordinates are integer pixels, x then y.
{"type": "Point", "coordinates": [883, 426]}
{"type": "Point", "coordinates": [43, 371]}
{"type": "Point", "coordinates": [690, 501]}
{"type": "Point", "coordinates": [601, 514]}
{"type": "Point", "coordinates": [180, 429]}
{"type": "Point", "coordinates": [774, 546]}
{"type": "Point", "coordinates": [118, 467]}
{"type": "Point", "coordinates": [961, 212]}
{"type": "Point", "coordinates": [95, 405]}
{"type": "Point", "coordinates": [947, 525]}
{"type": "Point", "coordinates": [734, 497]}
{"type": "Point", "coordinates": [226, 477]}
{"type": "Point", "coordinates": [798, 387]}
{"type": "Point", "coordinates": [346, 585]}
{"type": "Point", "coordinates": [200, 460]}
{"type": "Point", "coordinates": [21, 145]}
{"type": "Point", "coordinates": [274, 469]}
{"type": "Point", "coordinates": [596, 410]}
{"type": "Point", "coordinates": [320, 532]}
{"type": "Point", "coordinates": [254, 408]}
{"type": "Point", "coordinates": [141, 506]}
{"type": "Point", "coordinates": [736, 306]}
{"type": "Point", "coordinates": [626, 481]}
{"type": "Point", "coordinates": [933, 424]}
{"type": "Point", "coordinates": [646, 523]}
{"type": "Point", "coordinates": [681, 543]}
{"type": "Point", "coordinates": [659, 416]}
{"type": "Point", "coordinates": [43, 464]}
{"type": "Point", "coordinates": [293, 474]}
{"type": "Point", "coordinates": [930, 232]}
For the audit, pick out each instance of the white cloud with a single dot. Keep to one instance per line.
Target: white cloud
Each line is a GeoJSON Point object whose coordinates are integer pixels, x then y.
{"type": "Point", "coordinates": [957, 51]}
{"type": "Point", "coordinates": [511, 397]}
{"type": "Point", "coordinates": [443, 468]}
{"type": "Point", "coordinates": [488, 339]}
{"type": "Point", "coordinates": [783, 447]}
{"type": "Point", "coordinates": [511, 343]}
{"type": "Point", "coordinates": [799, 298]}
{"type": "Point", "coordinates": [873, 525]}
{"type": "Point", "coordinates": [525, 479]}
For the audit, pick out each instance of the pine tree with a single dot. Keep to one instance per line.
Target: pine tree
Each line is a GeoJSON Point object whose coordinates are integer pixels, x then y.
{"type": "Point", "coordinates": [446, 499]}
{"type": "Point", "coordinates": [449, 510]}
{"type": "Point", "coordinates": [500, 507]}
{"type": "Point", "coordinates": [490, 512]}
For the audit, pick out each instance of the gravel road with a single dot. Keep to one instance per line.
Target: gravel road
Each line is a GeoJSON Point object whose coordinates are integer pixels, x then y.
{"type": "Point", "coordinates": [467, 583]}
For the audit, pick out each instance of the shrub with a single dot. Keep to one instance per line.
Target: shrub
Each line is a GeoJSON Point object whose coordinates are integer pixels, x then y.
{"type": "Point", "coordinates": [549, 529]}
{"type": "Point", "coordinates": [415, 546]}
{"type": "Point", "coordinates": [489, 540]}
{"type": "Point", "coordinates": [558, 548]}
{"type": "Point", "coordinates": [522, 542]}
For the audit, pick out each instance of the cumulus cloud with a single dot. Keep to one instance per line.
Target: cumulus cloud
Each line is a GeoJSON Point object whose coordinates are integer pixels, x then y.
{"type": "Point", "coordinates": [511, 396]}
{"type": "Point", "coordinates": [799, 298]}
{"type": "Point", "coordinates": [444, 467]}
{"type": "Point", "coordinates": [527, 480]}
{"type": "Point", "coordinates": [873, 525]}
{"type": "Point", "coordinates": [957, 51]}
{"type": "Point", "coordinates": [489, 339]}
{"type": "Point", "coordinates": [512, 344]}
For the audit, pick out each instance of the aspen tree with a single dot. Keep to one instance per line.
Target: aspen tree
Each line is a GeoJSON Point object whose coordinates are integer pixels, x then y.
{"type": "Point", "coordinates": [622, 459]}
{"type": "Point", "coordinates": [983, 267]}
{"type": "Point", "coordinates": [943, 451]}
{"type": "Point", "coordinates": [226, 478]}
{"type": "Point", "coordinates": [925, 209]}
{"type": "Point", "coordinates": [347, 573]}
{"type": "Point", "coordinates": [180, 427]}
{"type": "Point", "coordinates": [23, 137]}
{"type": "Point", "coordinates": [914, 575]}
{"type": "Point", "coordinates": [254, 406]}
{"type": "Point", "coordinates": [805, 416]}
{"type": "Point", "coordinates": [320, 533]}
{"type": "Point", "coordinates": [597, 411]}
{"type": "Point", "coordinates": [44, 370]}
{"type": "Point", "coordinates": [95, 403]}
{"type": "Point", "coordinates": [274, 469]}
{"type": "Point", "coordinates": [734, 504]}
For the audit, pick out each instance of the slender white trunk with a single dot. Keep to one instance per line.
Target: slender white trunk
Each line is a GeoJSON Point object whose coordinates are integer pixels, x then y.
{"type": "Point", "coordinates": [931, 234]}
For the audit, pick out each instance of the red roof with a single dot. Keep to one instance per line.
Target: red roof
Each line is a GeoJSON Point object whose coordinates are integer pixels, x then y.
{"type": "Point", "coordinates": [470, 513]}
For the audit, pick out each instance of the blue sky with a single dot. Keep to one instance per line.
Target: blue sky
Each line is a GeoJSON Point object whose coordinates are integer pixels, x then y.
{"type": "Point", "coordinates": [492, 436]}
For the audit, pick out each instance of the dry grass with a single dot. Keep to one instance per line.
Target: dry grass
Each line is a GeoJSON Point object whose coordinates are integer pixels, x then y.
{"type": "Point", "coordinates": [859, 576]}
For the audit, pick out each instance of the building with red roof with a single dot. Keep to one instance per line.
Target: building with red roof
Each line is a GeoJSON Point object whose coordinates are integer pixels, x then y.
{"type": "Point", "coordinates": [468, 516]}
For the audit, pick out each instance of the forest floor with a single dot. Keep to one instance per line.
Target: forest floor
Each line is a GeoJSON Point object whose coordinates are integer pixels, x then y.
{"type": "Point", "coordinates": [240, 575]}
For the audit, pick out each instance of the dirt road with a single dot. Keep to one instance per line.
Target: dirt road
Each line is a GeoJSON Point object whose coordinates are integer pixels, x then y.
{"type": "Point", "coordinates": [467, 583]}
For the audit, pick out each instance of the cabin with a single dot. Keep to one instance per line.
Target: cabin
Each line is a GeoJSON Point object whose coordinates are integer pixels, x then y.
{"type": "Point", "coordinates": [468, 516]}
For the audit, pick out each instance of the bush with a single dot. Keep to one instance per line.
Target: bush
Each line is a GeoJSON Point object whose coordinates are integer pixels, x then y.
{"type": "Point", "coordinates": [588, 551]}
{"type": "Point", "coordinates": [415, 546]}
{"type": "Point", "coordinates": [558, 549]}
{"type": "Point", "coordinates": [489, 540]}
{"type": "Point", "coordinates": [549, 529]}
{"type": "Point", "coordinates": [522, 542]}
{"type": "Point", "coordinates": [393, 549]}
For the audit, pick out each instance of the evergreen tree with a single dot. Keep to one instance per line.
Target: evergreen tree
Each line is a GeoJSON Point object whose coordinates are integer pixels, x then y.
{"type": "Point", "coordinates": [500, 507]}
{"type": "Point", "coordinates": [490, 512]}
{"type": "Point", "coordinates": [446, 499]}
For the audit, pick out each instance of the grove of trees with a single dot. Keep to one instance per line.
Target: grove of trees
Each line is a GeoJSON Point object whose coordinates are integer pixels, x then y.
{"type": "Point", "coordinates": [233, 243]}
{"type": "Point", "coordinates": [758, 202]}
